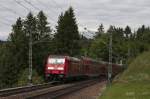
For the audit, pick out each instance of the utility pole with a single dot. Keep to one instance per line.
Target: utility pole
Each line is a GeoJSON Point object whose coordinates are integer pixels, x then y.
{"type": "Point", "coordinates": [30, 58]}
{"type": "Point", "coordinates": [110, 59]}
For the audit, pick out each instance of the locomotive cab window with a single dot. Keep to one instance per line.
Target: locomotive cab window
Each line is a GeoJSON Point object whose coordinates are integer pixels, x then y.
{"type": "Point", "coordinates": [56, 60]}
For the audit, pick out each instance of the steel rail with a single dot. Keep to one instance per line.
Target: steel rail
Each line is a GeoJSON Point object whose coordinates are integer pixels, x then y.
{"type": "Point", "coordinates": [13, 91]}
{"type": "Point", "coordinates": [63, 91]}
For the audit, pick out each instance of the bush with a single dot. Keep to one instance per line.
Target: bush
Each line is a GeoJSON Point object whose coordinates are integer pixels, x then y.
{"type": "Point", "coordinates": [23, 79]}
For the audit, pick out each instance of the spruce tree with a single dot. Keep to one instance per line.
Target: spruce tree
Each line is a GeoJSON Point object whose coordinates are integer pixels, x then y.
{"type": "Point", "coordinates": [13, 60]}
{"type": "Point", "coordinates": [100, 31]}
{"type": "Point", "coordinates": [127, 32]}
{"type": "Point", "coordinates": [30, 27]}
{"type": "Point", "coordinates": [44, 30]}
{"type": "Point", "coordinates": [67, 36]}
{"type": "Point", "coordinates": [44, 46]}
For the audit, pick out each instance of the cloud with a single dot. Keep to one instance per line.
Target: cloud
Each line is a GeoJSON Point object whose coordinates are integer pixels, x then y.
{"type": "Point", "coordinates": [89, 13]}
{"type": "Point", "coordinates": [3, 36]}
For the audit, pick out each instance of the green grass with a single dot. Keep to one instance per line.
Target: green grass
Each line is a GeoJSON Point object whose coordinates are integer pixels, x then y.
{"type": "Point", "coordinates": [134, 83]}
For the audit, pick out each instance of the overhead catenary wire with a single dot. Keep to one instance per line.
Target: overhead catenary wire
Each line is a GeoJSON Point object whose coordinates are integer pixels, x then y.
{"type": "Point", "coordinates": [11, 10]}
{"type": "Point", "coordinates": [7, 24]}
{"type": "Point", "coordinates": [46, 8]}
{"type": "Point", "coordinates": [56, 4]}
{"type": "Point", "coordinates": [5, 20]}
{"type": "Point", "coordinates": [26, 8]}
{"type": "Point", "coordinates": [28, 2]}
{"type": "Point", "coordinates": [18, 2]}
{"type": "Point", "coordinates": [45, 5]}
{"type": "Point", "coordinates": [32, 5]}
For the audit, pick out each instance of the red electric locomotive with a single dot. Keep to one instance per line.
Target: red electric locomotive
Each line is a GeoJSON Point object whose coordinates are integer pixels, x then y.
{"type": "Point", "coordinates": [63, 67]}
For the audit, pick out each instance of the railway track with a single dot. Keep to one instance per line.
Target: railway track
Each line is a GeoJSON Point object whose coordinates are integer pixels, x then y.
{"type": "Point", "coordinates": [66, 90]}
{"type": "Point", "coordinates": [17, 90]}
{"type": "Point", "coordinates": [48, 92]}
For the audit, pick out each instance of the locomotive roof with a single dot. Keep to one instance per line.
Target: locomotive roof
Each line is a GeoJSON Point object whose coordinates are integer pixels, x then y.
{"type": "Point", "coordinates": [63, 56]}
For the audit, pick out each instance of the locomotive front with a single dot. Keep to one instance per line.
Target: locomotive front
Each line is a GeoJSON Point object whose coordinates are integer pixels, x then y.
{"type": "Point", "coordinates": [55, 68]}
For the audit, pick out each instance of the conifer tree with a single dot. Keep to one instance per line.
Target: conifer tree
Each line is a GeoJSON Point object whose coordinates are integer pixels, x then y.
{"type": "Point", "coordinates": [30, 27]}
{"type": "Point", "coordinates": [67, 36]}
{"type": "Point", "coordinates": [44, 30]}
{"type": "Point", "coordinates": [100, 31]}
{"type": "Point", "coordinates": [44, 46]}
{"type": "Point", "coordinates": [127, 31]}
{"type": "Point", "coordinates": [14, 56]}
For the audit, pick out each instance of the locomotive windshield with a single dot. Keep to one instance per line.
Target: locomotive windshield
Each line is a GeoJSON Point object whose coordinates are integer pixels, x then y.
{"type": "Point", "coordinates": [56, 60]}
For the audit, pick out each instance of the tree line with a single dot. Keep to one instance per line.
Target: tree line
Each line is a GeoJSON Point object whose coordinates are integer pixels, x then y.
{"type": "Point", "coordinates": [66, 40]}
{"type": "Point", "coordinates": [125, 43]}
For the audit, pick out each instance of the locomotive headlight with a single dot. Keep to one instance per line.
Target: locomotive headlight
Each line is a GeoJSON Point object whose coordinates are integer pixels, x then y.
{"type": "Point", "coordinates": [50, 68]}
{"type": "Point", "coordinates": [60, 68]}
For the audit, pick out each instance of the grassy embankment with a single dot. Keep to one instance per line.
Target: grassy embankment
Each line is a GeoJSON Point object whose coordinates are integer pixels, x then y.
{"type": "Point", "coordinates": [134, 83]}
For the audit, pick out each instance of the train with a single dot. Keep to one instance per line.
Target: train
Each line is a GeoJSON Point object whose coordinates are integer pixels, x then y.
{"type": "Point", "coordinates": [65, 67]}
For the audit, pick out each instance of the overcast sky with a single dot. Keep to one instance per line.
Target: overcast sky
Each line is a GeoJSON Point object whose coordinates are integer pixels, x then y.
{"type": "Point", "coordinates": [89, 13]}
